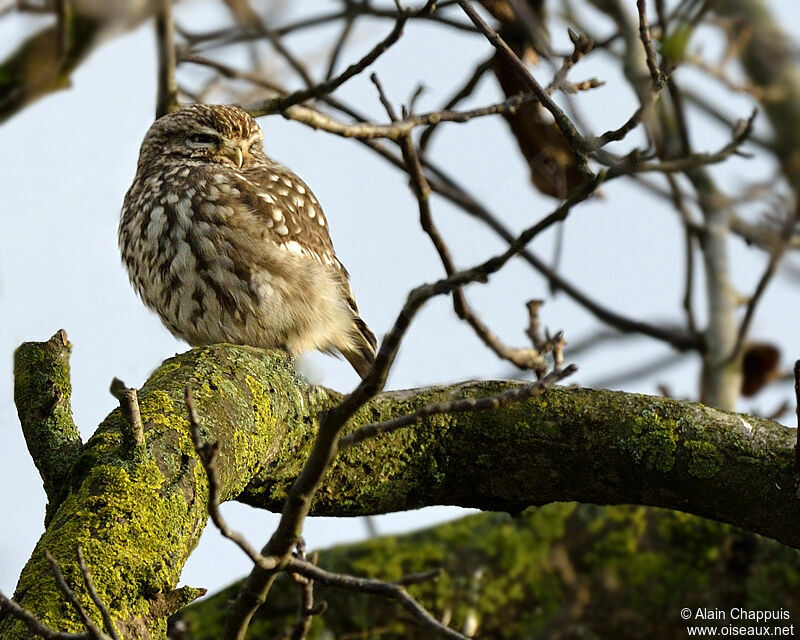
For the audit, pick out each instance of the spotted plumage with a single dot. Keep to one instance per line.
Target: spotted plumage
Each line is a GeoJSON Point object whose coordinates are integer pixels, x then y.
{"type": "Point", "coordinates": [226, 245]}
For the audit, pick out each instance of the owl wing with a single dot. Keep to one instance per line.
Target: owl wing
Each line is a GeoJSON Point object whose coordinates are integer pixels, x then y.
{"type": "Point", "coordinates": [286, 205]}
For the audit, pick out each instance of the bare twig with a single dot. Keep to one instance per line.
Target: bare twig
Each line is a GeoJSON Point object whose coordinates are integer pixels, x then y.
{"type": "Point", "coordinates": [450, 190]}
{"type": "Point", "coordinates": [35, 626]}
{"type": "Point", "coordinates": [522, 358]}
{"type": "Point", "coordinates": [678, 201]}
{"type": "Point", "coordinates": [456, 406]}
{"type": "Point", "coordinates": [615, 135]}
{"type": "Point", "coordinates": [576, 141]}
{"type": "Point", "coordinates": [224, 37]}
{"type": "Point", "coordinates": [395, 591]}
{"type": "Point", "coordinates": [639, 372]}
{"type": "Point", "coordinates": [349, 21]}
{"type": "Point", "coordinates": [167, 99]}
{"type": "Point", "coordinates": [462, 94]}
{"type": "Point", "coordinates": [582, 44]}
{"type": "Point", "coordinates": [101, 607]}
{"type": "Point", "coordinates": [278, 105]}
{"type": "Point", "coordinates": [418, 578]}
{"type": "Point", "coordinates": [656, 75]}
{"type": "Point", "coordinates": [775, 257]}
{"type": "Point", "coordinates": [129, 405]}
{"type": "Point", "coordinates": [383, 98]}
{"type": "Point", "coordinates": [92, 629]}
{"type": "Point", "coordinates": [634, 164]}
{"type": "Point", "coordinates": [208, 457]}
{"type": "Point", "coordinates": [760, 93]}
{"type": "Point", "coordinates": [400, 128]}
{"type": "Point", "coordinates": [713, 110]}
{"type": "Point", "coordinates": [307, 610]}
{"type": "Point", "coordinates": [360, 130]}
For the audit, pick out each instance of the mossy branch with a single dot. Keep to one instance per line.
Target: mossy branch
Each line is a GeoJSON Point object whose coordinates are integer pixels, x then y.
{"type": "Point", "coordinates": [42, 391]}
{"type": "Point", "coordinates": [138, 513]}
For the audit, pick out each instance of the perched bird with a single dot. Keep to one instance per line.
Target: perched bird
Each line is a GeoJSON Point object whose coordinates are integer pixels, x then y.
{"type": "Point", "coordinates": [226, 245]}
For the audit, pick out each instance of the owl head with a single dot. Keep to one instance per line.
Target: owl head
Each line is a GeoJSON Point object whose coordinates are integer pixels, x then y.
{"type": "Point", "coordinates": [205, 133]}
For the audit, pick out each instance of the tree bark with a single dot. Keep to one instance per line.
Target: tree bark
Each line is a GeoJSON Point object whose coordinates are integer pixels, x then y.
{"type": "Point", "coordinates": [138, 511]}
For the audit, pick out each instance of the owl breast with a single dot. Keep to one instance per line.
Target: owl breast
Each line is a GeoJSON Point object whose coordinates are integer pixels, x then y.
{"type": "Point", "coordinates": [201, 251]}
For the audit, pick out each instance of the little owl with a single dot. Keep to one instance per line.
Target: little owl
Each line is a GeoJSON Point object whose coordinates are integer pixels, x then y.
{"type": "Point", "coordinates": [226, 245]}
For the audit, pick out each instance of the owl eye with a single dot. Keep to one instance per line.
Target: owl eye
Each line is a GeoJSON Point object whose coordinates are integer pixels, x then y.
{"type": "Point", "coordinates": [203, 138]}
{"type": "Point", "coordinates": [255, 147]}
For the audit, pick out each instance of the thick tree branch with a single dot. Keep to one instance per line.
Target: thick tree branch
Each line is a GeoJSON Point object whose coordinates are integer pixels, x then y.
{"type": "Point", "coordinates": [42, 391]}
{"type": "Point", "coordinates": [586, 445]}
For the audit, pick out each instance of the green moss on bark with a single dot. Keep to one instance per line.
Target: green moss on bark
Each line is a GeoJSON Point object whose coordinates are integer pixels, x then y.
{"type": "Point", "coordinates": [138, 513]}
{"type": "Point", "coordinates": [42, 392]}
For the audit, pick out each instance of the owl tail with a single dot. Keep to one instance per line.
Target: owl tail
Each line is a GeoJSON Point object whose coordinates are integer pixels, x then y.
{"type": "Point", "coordinates": [361, 353]}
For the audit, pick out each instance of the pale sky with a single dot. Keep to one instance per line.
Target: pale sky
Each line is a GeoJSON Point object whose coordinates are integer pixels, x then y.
{"type": "Point", "coordinates": [71, 156]}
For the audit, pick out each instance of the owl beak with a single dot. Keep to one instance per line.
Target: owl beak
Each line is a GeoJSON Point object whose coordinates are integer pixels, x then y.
{"type": "Point", "coordinates": [235, 153]}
